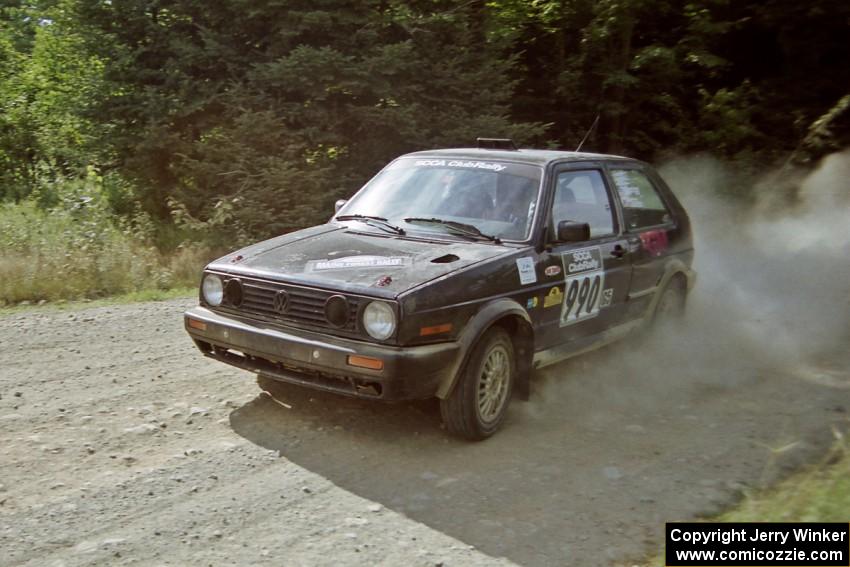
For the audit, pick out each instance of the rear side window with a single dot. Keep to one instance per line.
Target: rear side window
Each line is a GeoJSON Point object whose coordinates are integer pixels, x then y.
{"type": "Point", "coordinates": [642, 205]}
{"type": "Point", "coordinates": [581, 196]}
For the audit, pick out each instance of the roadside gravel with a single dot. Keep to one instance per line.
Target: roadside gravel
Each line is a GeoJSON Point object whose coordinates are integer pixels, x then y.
{"type": "Point", "coordinates": [116, 449]}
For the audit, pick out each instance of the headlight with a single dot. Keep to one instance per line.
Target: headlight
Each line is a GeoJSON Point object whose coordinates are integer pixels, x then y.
{"type": "Point", "coordinates": [379, 320]}
{"type": "Point", "coordinates": [213, 290]}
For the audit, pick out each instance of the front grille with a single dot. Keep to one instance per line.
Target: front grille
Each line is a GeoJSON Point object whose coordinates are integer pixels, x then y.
{"type": "Point", "coordinates": [304, 306]}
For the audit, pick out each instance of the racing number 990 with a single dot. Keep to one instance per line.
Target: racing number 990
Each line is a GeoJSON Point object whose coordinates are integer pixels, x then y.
{"type": "Point", "coordinates": [583, 286]}
{"type": "Point", "coordinates": [582, 294]}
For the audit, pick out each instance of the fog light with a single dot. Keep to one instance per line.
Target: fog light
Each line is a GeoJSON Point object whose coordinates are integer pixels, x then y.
{"type": "Point", "coordinates": [233, 292]}
{"type": "Point", "coordinates": [336, 310]}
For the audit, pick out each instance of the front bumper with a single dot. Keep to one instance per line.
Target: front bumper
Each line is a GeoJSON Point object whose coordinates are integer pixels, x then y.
{"type": "Point", "coordinates": [320, 361]}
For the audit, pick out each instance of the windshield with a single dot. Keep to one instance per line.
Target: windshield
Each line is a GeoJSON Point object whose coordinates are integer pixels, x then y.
{"type": "Point", "coordinates": [497, 198]}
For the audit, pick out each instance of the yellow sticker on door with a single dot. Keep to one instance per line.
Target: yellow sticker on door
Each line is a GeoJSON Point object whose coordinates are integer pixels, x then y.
{"type": "Point", "coordinates": [553, 298]}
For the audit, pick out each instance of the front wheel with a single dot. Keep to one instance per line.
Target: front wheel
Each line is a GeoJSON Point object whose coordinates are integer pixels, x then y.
{"type": "Point", "coordinates": [478, 404]}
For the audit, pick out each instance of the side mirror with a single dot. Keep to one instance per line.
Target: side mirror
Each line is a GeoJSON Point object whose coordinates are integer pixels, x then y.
{"type": "Point", "coordinates": [340, 203]}
{"type": "Point", "coordinates": [572, 231]}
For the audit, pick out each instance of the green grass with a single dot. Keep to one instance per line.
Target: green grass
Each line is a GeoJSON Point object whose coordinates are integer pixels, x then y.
{"type": "Point", "coordinates": [818, 493]}
{"type": "Point", "coordinates": [79, 250]}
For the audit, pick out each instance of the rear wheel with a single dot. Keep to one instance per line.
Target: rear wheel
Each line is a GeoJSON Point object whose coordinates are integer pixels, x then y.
{"type": "Point", "coordinates": [477, 406]}
{"type": "Point", "coordinates": [671, 306]}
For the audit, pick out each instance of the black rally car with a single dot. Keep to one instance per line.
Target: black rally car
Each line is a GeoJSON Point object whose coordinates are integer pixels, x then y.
{"type": "Point", "coordinates": [454, 273]}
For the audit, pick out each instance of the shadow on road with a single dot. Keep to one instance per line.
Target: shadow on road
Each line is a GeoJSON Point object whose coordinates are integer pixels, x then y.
{"type": "Point", "coordinates": [584, 474]}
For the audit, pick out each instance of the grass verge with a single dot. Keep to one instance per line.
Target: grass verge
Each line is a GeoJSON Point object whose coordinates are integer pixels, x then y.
{"type": "Point", "coordinates": [122, 299]}
{"type": "Point", "coordinates": [79, 250]}
{"type": "Point", "coordinates": [818, 493]}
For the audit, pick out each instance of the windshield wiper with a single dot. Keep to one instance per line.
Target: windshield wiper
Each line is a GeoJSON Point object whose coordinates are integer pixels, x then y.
{"type": "Point", "coordinates": [378, 222]}
{"type": "Point", "coordinates": [459, 227]}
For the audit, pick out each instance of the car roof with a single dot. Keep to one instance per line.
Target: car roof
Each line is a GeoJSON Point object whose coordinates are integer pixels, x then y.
{"type": "Point", "coordinates": [533, 157]}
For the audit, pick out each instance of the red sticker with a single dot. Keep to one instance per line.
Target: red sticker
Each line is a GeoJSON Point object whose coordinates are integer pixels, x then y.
{"type": "Point", "coordinates": [654, 241]}
{"type": "Point", "coordinates": [553, 270]}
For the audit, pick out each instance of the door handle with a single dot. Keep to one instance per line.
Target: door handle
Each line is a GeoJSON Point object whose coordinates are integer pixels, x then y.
{"type": "Point", "coordinates": [618, 251]}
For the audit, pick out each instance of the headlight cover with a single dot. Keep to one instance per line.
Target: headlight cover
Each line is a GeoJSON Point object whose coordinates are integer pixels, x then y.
{"type": "Point", "coordinates": [213, 289]}
{"type": "Point", "coordinates": [379, 320]}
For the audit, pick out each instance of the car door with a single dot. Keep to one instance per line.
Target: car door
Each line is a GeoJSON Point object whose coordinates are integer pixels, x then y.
{"type": "Point", "coordinates": [588, 280]}
{"type": "Point", "coordinates": [647, 223]}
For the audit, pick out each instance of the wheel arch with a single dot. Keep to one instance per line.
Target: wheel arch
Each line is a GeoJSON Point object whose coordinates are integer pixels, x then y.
{"type": "Point", "coordinates": [510, 315]}
{"type": "Point", "coordinates": [675, 273]}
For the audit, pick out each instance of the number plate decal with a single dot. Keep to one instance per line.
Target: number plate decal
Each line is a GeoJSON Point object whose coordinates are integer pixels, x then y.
{"type": "Point", "coordinates": [585, 280]}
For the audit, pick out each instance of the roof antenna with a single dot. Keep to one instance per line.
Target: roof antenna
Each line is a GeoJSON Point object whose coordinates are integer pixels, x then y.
{"type": "Point", "coordinates": [586, 136]}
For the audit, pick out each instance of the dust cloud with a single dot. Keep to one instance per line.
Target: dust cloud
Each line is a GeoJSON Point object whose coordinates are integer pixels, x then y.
{"type": "Point", "coordinates": [774, 282]}
{"type": "Point", "coordinates": [772, 292]}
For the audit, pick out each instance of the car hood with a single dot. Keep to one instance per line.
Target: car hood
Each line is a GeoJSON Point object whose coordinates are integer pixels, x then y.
{"type": "Point", "coordinates": [335, 257]}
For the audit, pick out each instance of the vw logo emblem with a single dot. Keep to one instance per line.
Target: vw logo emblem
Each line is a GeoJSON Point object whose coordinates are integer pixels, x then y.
{"type": "Point", "coordinates": [281, 301]}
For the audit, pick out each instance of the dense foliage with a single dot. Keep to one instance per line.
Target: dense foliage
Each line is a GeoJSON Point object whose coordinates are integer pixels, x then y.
{"type": "Point", "coordinates": [240, 119]}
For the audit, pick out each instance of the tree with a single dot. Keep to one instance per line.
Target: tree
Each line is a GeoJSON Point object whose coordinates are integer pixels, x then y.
{"type": "Point", "coordinates": [47, 83]}
{"type": "Point", "coordinates": [263, 113]}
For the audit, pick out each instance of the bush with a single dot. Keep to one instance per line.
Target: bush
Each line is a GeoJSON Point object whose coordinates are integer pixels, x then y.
{"type": "Point", "coordinates": [78, 249]}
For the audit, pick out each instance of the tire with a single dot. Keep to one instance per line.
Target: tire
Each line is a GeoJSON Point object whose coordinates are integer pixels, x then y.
{"type": "Point", "coordinates": [671, 305]}
{"type": "Point", "coordinates": [478, 404]}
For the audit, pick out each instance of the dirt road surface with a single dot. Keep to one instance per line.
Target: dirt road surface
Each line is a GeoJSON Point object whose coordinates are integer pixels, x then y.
{"type": "Point", "coordinates": [120, 444]}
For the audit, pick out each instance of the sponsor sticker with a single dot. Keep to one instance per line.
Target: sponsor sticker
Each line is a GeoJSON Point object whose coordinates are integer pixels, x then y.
{"type": "Point", "coordinates": [584, 260]}
{"type": "Point", "coordinates": [490, 166]}
{"type": "Point", "coordinates": [607, 296]}
{"type": "Point", "coordinates": [525, 266]}
{"type": "Point", "coordinates": [531, 303]}
{"type": "Point", "coordinates": [553, 298]}
{"type": "Point", "coordinates": [654, 241]}
{"type": "Point", "coordinates": [553, 270]}
{"type": "Point", "coordinates": [358, 262]}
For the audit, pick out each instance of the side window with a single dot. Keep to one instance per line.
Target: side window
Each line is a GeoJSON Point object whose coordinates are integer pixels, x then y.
{"type": "Point", "coordinates": [581, 196]}
{"type": "Point", "coordinates": [642, 206]}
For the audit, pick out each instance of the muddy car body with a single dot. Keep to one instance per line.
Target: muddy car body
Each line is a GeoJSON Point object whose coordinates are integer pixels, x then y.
{"type": "Point", "coordinates": [454, 273]}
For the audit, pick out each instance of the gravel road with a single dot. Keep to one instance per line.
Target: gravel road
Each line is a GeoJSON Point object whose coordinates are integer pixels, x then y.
{"type": "Point", "coordinates": [122, 445]}
{"type": "Point", "coordinates": [116, 448]}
